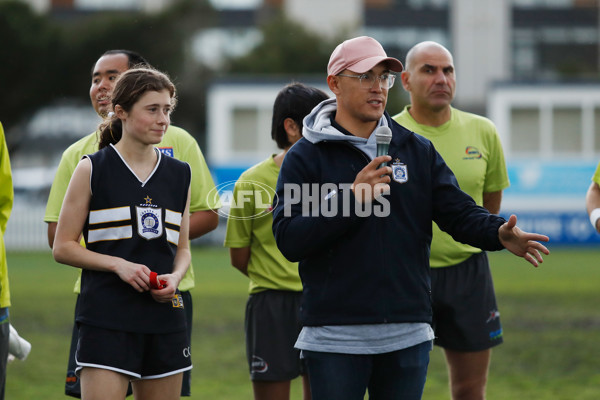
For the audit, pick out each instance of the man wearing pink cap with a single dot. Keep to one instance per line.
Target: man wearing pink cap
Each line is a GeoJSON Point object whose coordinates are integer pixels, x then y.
{"type": "Point", "coordinates": [361, 233]}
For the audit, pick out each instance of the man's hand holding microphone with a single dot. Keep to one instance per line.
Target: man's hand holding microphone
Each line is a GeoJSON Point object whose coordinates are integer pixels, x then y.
{"type": "Point", "coordinates": [373, 180]}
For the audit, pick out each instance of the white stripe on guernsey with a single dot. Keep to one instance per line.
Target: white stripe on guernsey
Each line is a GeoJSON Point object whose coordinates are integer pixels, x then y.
{"type": "Point", "coordinates": [120, 232]}
{"type": "Point", "coordinates": [173, 217]}
{"type": "Point", "coordinates": [110, 215]}
{"type": "Point", "coordinates": [172, 236]}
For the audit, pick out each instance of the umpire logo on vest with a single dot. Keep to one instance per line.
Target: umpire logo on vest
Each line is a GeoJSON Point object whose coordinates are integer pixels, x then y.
{"type": "Point", "coordinates": [149, 222]}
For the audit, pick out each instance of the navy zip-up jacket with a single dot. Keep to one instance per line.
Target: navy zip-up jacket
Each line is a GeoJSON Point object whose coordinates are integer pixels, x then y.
{"type": "Point", "coordinates": [370, 265]}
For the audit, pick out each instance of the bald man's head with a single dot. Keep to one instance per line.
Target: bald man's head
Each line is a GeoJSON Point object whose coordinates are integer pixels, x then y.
{"type": "Point", "coordinates": [429, 78]}
{"type": "Point", "coordinates": [421, 48]}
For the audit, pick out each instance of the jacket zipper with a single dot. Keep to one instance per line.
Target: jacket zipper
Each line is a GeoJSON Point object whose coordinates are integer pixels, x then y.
{"type": "Point", "coordinates": [379, 239]}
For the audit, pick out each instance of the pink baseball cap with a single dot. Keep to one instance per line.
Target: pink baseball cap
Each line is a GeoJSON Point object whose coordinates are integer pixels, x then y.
{"type": "Point", "coordinates": [360, 55]}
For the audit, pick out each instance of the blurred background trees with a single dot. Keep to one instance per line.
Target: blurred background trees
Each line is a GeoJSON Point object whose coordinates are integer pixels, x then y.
{"type": "Point", "coordinates": [48, 58]}
{"type": "Point", "coordinates": [29, 46]}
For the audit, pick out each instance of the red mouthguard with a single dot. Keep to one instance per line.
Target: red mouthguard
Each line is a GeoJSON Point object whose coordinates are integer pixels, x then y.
{"type": "Point", "coordinates": [155, 283]}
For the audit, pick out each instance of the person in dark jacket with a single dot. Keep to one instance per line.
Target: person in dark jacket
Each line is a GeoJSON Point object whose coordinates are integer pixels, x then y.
{"type": "Point", "coordinates": [361, 232]}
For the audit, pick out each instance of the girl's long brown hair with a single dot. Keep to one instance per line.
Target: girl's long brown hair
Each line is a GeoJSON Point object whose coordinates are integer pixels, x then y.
{"type": "Point", "coordinates": [129, 88]}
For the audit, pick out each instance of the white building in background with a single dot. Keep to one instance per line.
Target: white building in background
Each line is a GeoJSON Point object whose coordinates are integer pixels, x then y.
{"type": "Point", "coordinates": [551, 138]}
{"type": "Point", "coordinates": [240, 114]}
{"type": "Point", "coordinates": [549, 121]}
{"type": "Point", "coordinates": [43, 6]}
{"type": "Point", "coordinates": [481, 47]}
{"type": "Point", "coordinates": [328, 18]}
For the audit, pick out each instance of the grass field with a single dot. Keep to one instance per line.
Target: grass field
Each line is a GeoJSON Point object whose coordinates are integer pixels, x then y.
{"type": "Point", "coordinates": [550, 317]}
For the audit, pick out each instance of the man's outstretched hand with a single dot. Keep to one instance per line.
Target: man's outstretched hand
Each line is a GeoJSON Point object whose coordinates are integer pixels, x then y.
{"type": "Point", "coordinates": [522, 244]}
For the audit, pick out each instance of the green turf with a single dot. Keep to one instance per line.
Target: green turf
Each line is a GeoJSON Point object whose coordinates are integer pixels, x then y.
{"type": "Point", "coordinates": [550, 318]}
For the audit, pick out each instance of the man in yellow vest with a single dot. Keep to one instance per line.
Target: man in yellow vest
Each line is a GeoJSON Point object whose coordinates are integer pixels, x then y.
{"type": "Point", "coordinates": [466, 319]}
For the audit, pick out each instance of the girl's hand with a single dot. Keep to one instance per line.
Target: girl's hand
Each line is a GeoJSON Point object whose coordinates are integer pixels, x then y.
{"type": "Point", "coordinates": [167, 291]}
{"type": "Point", "coordinates": [137, 275]}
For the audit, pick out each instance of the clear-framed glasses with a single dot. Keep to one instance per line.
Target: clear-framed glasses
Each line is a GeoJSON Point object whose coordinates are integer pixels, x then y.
{"type": "Point", "coordinates": [386, 81]}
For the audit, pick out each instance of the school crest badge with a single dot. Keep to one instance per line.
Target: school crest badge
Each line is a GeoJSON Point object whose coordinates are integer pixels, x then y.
{"type": "Point", "coordinates": [399, 171]}
{"type": "Point", "coordinates": [149, 222]}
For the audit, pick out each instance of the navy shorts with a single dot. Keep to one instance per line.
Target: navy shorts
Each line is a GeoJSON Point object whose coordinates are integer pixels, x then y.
{"type": "Point", "coordinates": [72, 384]}
{"type": "Point", "coordinates": [138, 355]}
{"type": "Point", "coordinates": [272, 327]}
{"type": "Point", "coordinates": [465, 313]}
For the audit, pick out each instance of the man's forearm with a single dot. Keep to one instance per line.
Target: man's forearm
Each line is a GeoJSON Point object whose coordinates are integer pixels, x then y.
{"type": "Point", "coordinates": [202, 222]}
{"type": "Point", "coordinates": [592, 202]}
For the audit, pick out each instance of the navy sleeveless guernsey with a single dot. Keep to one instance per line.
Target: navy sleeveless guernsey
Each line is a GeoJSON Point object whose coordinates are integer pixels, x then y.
{"type": "Point", "coordinates": [137, 221]}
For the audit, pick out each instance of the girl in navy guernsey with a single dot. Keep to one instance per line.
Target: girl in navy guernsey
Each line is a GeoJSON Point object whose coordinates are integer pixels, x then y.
{"type": "Point", "coordinates": [131, 204]}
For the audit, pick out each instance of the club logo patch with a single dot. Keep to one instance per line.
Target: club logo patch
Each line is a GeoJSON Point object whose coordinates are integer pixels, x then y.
{"type": "Point", "coordinates": [177, 301]}
{"type": "Point", "coordinates": [149, 222]}
{"type": "Point", "coordinates": [472, 153]}
{"type": "Point", "coordinates": [494, 314]}
{"type": "Point", "coordinates": [399, 171]}
{"type": "Point", "coordinates": [259, 365]}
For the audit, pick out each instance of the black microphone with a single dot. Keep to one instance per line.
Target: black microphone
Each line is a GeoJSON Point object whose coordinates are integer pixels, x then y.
{"type": "Point", "coordinates": [383, 137]}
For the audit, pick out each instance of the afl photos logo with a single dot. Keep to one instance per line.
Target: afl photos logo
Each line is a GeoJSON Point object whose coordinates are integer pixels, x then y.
{"type": "Point", "coordinates": [239, 195]}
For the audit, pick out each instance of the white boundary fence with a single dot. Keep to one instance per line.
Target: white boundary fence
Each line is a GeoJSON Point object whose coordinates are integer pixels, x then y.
{"type": "Point", "coordinates": [26, 228]}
